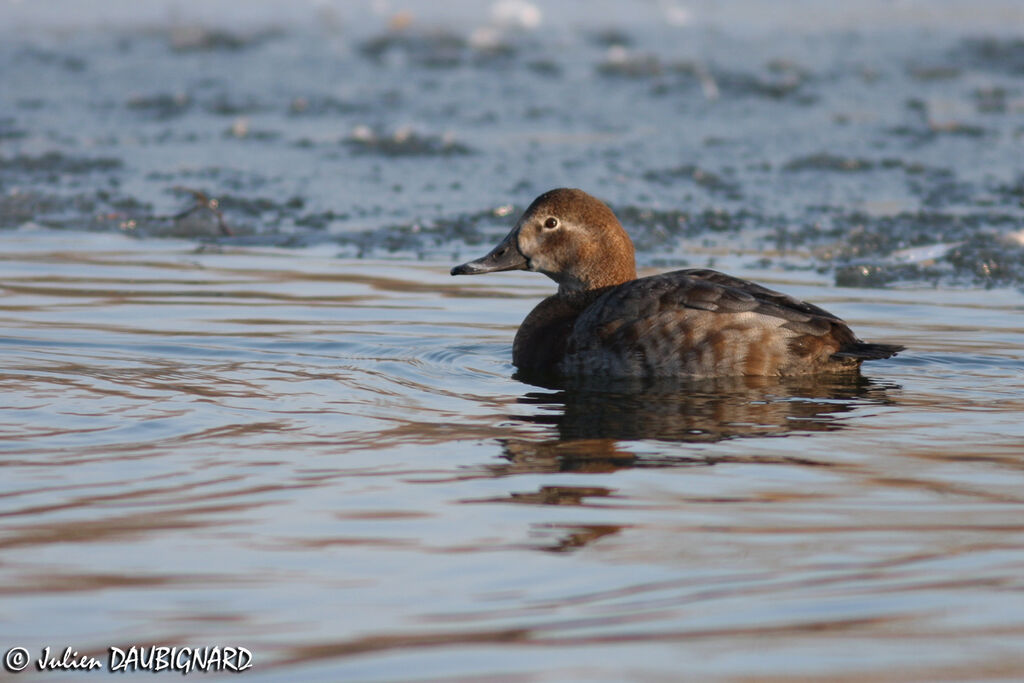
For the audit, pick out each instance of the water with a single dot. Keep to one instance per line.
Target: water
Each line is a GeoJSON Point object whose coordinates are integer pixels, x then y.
{"type": "Point", "coordinates": [305, 438]}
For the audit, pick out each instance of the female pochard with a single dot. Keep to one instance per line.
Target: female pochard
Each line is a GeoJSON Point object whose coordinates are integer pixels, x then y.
{"type": "Point", "coordinates": [699, 323]}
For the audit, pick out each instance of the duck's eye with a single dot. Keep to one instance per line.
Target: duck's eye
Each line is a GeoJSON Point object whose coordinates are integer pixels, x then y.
{"type": "Point", "coordinates": [551, 223]}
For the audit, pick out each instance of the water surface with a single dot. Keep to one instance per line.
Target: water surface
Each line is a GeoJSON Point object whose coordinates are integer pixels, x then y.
{"type": "Point", "coordinates": [328, 461]}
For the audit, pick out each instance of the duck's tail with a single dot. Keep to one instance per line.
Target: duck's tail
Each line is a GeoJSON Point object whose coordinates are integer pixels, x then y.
{"type": "Point", "coordinates": [859, 350]}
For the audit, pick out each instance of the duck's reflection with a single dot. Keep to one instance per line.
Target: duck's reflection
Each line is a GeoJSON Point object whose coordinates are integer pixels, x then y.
{"type": "Point", "coordinates": [561, 538]}
{"type": "Point", "coordinates": [593, 419]}
{"type": "Point", "coordinates": [595, 424]}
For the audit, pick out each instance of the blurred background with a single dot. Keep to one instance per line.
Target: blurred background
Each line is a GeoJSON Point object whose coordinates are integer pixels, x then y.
{"type": "Point", "coordinates": [389, 128]}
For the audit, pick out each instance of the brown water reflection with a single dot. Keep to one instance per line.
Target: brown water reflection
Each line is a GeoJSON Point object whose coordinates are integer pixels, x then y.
{"type": "Point", "coordinates": [596, 423]}
{"type": "Point", "coordinates": [704, 410]}
{"type": "Point", "coordinates": [592, 420]}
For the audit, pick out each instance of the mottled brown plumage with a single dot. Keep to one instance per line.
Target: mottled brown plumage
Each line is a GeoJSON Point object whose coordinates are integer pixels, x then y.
{"type": "Point", "coordinates": [699, 323]}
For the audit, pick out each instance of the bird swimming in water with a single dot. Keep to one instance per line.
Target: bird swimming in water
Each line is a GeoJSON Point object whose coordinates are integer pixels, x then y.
{"type": "Point", "coordinates": [604, 321]}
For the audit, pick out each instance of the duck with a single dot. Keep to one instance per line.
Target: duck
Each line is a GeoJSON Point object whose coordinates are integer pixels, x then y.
{"type": "Point", "coordinates": [606, 322]}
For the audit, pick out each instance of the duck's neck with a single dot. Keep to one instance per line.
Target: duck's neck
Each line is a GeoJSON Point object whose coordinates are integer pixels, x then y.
{"type": "Point", "coordinates": [579, 299]}
{"type": "Point", "coordinates": [582, 288]}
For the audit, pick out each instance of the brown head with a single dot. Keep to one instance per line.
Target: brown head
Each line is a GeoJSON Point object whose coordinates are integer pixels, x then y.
{"type": "Point", "coordinates": [568, 235]}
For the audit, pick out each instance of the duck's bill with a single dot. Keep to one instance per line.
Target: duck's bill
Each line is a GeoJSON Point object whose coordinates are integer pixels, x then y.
{"type": "Point", "coordinates": [505, 256]}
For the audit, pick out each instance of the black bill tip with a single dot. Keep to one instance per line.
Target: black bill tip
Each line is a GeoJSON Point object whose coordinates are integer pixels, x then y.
{"type": "Point", "coordinates": [505, 256]}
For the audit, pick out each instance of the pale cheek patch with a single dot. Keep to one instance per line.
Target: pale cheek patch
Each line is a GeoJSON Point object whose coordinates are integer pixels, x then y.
{"type": "Point", "coordinates": [544, 263]}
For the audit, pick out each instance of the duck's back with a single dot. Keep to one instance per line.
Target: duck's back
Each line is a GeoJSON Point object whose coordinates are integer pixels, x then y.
{"type": "Point", "coordinates": [703, 323]}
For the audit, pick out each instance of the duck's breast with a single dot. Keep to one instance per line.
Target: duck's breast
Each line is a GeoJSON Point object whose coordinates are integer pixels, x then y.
{"type": "Point", "coordinates": [541, 340]}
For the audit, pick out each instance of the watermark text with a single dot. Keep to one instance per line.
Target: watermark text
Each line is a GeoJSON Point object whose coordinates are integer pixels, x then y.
{"type": "Point", "coordinates": [152, 658]}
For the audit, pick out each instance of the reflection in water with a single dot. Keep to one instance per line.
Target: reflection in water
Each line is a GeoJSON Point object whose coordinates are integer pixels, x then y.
{"type": "Point", "coordinates": [560, 538]}
{"type": "Point", "coordinates": [553, 495]}
{"type": "Point", "coordinates": [592, 419]}
{"type": "Point", "coordinates": [568, 538]}
{"type": "Point", "coordinates": [705, 409]}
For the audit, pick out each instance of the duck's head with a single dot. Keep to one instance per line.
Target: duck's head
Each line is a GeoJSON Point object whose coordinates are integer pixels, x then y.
{"type": "Point", "coordinates": [568, 235]}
